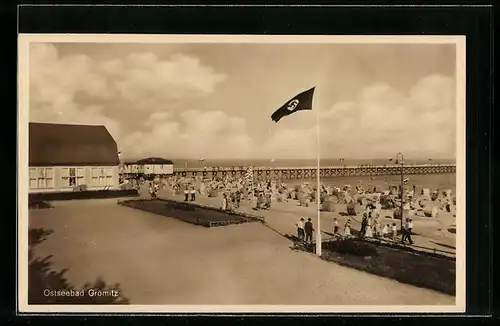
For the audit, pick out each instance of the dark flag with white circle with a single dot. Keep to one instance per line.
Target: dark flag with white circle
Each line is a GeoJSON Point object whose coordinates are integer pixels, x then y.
{"type": "Point", "coordinates": [302, 101]}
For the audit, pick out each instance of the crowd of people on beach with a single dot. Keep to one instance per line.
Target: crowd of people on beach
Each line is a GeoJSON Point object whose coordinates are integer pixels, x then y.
{"type": "Point", "coordinates": [261, 194]}
{"type": "Point", "coordinates": [371, 228]}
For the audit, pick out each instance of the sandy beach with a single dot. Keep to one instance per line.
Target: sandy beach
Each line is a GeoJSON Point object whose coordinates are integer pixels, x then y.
{"type": "Point", "coordinates": [160, 260]}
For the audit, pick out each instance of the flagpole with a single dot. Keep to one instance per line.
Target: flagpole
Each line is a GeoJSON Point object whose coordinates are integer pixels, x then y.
{"type": "Point", "coordinates": [318, 199]}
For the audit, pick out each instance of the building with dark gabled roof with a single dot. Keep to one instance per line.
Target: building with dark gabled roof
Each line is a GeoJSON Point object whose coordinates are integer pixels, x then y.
{"type": "Point", "coordinates": [65, 157]}
{"type": "Point", "coordinates": [154, 161]}
{"type": "Point", "coordinates": [149, 166]}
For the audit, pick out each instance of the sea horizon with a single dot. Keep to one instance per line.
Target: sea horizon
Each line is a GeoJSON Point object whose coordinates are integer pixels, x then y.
{"type": "Point", "coordinates": [192, 163]}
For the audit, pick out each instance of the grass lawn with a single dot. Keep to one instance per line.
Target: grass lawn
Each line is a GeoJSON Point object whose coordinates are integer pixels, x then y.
{"type": "Point", "coordinates": [423, 270]}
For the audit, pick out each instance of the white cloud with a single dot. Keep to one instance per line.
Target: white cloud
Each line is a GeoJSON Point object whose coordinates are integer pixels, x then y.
{"type": "Point", "coordinates": [139, 81]}
{"type": "Point", "coordinates": [211, 134]}
{"type": "Point", "coordinates": [420, 123]}
{"type": "Point", "coordinates": [379, 122]}
{"type": "Point", "coordinates": [143, 75]}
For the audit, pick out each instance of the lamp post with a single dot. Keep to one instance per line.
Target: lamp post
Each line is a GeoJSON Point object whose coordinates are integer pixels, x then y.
{"type": "Point", "coordinates": [400, 160]}
{"type": "Point", "coordinates": [120, 166]}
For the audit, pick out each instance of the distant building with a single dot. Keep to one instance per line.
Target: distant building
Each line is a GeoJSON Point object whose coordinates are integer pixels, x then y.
{"type": "Point", "coordinates": [151, 166]}
{"type": "Point", "coordinates": [156, 166]}
{"type": "Point", "coordinates": [131, 167]}
{"type": "Point", "coordinates": [66, 157]}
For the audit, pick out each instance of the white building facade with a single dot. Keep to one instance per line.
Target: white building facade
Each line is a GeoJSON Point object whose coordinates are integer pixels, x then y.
{"type": "Point", "coordinates": [65, 158]}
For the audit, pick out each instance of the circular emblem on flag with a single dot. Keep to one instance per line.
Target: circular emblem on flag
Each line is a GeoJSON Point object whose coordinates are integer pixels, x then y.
{"type": "Point", "coordinates": [292, 105]}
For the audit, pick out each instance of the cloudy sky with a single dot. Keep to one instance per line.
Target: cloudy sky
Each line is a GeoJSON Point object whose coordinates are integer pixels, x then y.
{"type": "Point", "coordinates": [215, 100]}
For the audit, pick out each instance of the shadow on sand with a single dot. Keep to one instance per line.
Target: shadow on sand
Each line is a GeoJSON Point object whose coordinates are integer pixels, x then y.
{"type": "Point", "coordinates": [44, 281]}
{"type": "Point", "coordinates": [443, 245]}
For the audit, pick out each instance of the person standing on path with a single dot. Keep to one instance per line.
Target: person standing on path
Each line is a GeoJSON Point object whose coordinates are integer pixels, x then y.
{"type": "Point", "coordinates": [238, 198]}
{"type": "Point", "coordinates": [151, 191]}
{"type": "Point", "coordinates": [364, 222]}
{"type": "Point", "coordinates": [411, 211]}
{"type": "Point", "coordinates": [335, 227]}
{"type": "Point", "coordinates": [385, 231]}
{"type": "Point", "coordinates": [394, 231]}
{"type": "Point", "coordinates": [404, 231]}
{"type": "Point", "coordinates": [347, 228]}
{"type": "Point", "coordinates": [300, 229]}
{"type": "Point", "coordinates": [369, 230]}
{"type": "Point", "coordinates": [308, 228]}
{"type": "Point", "coordinates": [224, 202]}
{"type": "Point", "coordinates": [409, 230]}
{"type": "Point", "coordinates": [376, 227]}
{"type": "Point", "coordinates": [193, 194]}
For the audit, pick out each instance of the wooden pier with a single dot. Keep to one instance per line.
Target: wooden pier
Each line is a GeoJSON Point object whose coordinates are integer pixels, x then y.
{"type": "Point", "coordinates": [297, 173]}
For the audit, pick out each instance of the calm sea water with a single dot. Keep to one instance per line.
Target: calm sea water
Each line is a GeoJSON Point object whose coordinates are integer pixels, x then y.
{"type": "Point", "coordinates": [432, 181]}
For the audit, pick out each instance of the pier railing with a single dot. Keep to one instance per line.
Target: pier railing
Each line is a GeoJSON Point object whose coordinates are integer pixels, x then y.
{"type": "Point", "coordinates": [309, 172]}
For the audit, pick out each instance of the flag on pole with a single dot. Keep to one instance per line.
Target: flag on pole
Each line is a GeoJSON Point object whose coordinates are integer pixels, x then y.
{"type": "Point", "coordinates": [302, 101]}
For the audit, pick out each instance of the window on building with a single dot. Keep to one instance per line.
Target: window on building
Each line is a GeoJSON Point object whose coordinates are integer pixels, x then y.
{"type": "Point", "coordinates": [109, 177]}
{"type": "Point", "coordinates": [102, 177]}
{"type": "Point", "coordinates": [72, 177]}
{"type": "Point", "coordinates": [41, 178]}
{"type": "Point", "coordinates": [65, 177]}
{"type": "Point", "coordinates": [80, 176]}
{"type": "Point", "coordinates": [33, 178]}
{"type": "Point", "coordinates": [95, 176]}
{"type": "Point", "coordinates": [98, 177]}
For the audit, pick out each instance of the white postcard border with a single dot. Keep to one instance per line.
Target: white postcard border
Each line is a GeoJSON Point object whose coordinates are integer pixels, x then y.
{"type": "Point", "coordinates": [24, 41]}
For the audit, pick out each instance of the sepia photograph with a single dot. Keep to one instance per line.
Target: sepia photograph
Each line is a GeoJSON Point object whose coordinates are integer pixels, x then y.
{"type": "Point", "coordinates": [231, 173]}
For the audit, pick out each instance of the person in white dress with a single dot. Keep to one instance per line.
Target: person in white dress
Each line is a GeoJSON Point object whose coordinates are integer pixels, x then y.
{"type": "Point", "coordinates": [224, 202]}
{"type": "Point", "coordinates": [369, 230]}
{"type": "Point", "coordinates": [335, 227]}
{"type": "Point", "coordinates": [347, 228]}
{"type": "Point", "coordinates": [385, 230]}
{"type": "Point", "coordinates": [394, 231]}
{"type": "Point", "coordinates": [378, 208]}
{"type": "Point", "coordinates": [203, 189]}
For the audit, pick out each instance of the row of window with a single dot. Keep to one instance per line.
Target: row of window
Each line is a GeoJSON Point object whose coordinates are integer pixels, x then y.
{"type": "Point", "coordinates": [148, 165]}
{"type": "Point", "coordinates": [146, 169]}
{"type": "Point", "coordinates": [43, 178]}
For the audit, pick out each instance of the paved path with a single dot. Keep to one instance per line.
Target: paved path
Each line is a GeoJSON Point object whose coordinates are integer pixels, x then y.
{"type": "Point", "coordinates": [283, 216]}
{"type": "Point", "coordinates": [160, 260]}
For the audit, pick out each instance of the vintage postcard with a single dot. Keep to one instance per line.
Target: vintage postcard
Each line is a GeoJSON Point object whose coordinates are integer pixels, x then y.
{"type": "Point", "coordinates": [241, 174]}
